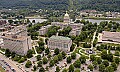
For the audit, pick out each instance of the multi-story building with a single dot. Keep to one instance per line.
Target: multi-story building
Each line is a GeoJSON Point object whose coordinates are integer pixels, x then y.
{"type": "Point", "coordinates": [60, 42]}
{"type": "Point", "coordinates": [67, 22]}
{"type": "Point", "coordinates": [43, 30]}
{"type": "Point", "coordinates": [3, 23]}
{"type": "Point", "coordinates": [16, 40]}
{"type": "Point", "coordinates": [75, 32]}
{"type": "Point", "coordinates": [109, 37]}
{"type": "Point", "coordinates": [18, 44]}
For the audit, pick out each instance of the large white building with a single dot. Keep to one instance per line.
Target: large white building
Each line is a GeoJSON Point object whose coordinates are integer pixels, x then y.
{"type": "Point", "coordinates": [18, 44]}
{"type": "Point", "coordinates": [16, 40]}
{"type": "Point", "coordinates": [60, 42]}
{"type": "Point", "coordinates": [75, 26]}
{"type": "Point", "coordinates": [44, 29]}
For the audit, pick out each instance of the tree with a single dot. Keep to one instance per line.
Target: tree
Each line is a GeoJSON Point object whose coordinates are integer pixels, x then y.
{"type": "Point", "coordinates": [47, 51]}
{"type": "Point", "coordinates": [28, 64]}
{"type": "Point", "coordinates": [39, 64]}
{"type": "Point", "coordinates": [69, 59]}
{"type": "Point", "coordinates": [71, 68]}
{"type": "Point", "coordinates": [101, 67]}
{"type": "Point", "coordinates": [104, 54]}
{"type": "Point", "coordinates": [109, 69]}
{"type": "Point", "coordinates": [7, 53]}
{"type": "Point", "coordinates": [34, 68]}
{"type": "Point", "coordinates": [21, 60]}
{"type": "Point", "coordinates": [117, 53]}
{"type": "Point", "coordinates": [41, 69]}
{"type": "Point", "coordinates": [114, 65]}
{"type": "Point", "coordinates": [95, 64]}
{"type": "Point", "coordinates": [91, 67]}
{"type": "Point", "coordinates": [99, 60]}
{"type": "Point", "coordinates": [117, 60]}
{"type": "Point", "coordinates": [63, 55]}
{"type": "Point", "coordinates": [10, 21]}
{"type": "Point", "coordinates": [64, 70]}
{"type": "Point", "coordinates": [77, 21]}
{"type": "Point", "coordinates": [92, 57]}
{"type": "Point", "coordinates": [77, 64]}
{"type": "Point", "coordinates": [38, 57]}
{"type": "Point", "coordinates": [51, 63]}
{"type": "Point", "coordinates": [55, 59]}
{"type": "Point", "coordinates": [46, 40]}
{"type": "Point", "coordinates": [57, 69]}
{"type": "Point", "coordinates": [45, 60]}
{"type": "Point", "coordinates": [56, 51]}
{"type": "Point", "coordinates": [82, 59]}
{"type": "Point", "coordinates": [29, 53]}
{"type": "Point", "coordinates": [33, 21]}
{"type": "Point", "coordinates": [73, 55]}
{"type": "Point", "coordinates": [72, 47]}
{"type": "Point", "coordinates": [77, 70]}
{"type": "Point", "coordinates": [106, 63]}
{"type": "Point", "coordinates": [60, 57]}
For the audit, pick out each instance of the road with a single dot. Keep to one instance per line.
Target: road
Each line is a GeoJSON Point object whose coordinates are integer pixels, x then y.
{"type": "Point", "coordinates": [12, 64]}
{"type": "Point", "coordinates": [93, 39]}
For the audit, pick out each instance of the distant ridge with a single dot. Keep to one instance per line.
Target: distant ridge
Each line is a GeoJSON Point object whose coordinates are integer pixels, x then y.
{"type": "Point", "coordinates": [101, 5]}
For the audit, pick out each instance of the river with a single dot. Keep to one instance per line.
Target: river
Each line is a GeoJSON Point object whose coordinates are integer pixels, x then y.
{"type": "Point", "coordinates": [98, 21]}
{"type": "Point", "coordinates": [36, 20]}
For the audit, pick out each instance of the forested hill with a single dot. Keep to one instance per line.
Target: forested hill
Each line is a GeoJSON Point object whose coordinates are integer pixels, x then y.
{"type": "Point", "coordinates": [102, 5]}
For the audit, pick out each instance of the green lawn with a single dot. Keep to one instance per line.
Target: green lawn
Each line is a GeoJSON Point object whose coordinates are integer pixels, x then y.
{"type": "Point", "coordinates": [1, 69]}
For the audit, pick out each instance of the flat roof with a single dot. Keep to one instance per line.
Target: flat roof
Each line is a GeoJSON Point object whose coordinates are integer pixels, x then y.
{"type": "Point", "coordinates": [20, 38]}
{"type": "Point", "coordinates": [59, 38]}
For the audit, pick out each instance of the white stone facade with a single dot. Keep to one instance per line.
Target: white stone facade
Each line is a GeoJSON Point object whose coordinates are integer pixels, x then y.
{"type": "Point", "coordinates": [19, 45]}
{"type": "Point", "coordinates": [62, 43]}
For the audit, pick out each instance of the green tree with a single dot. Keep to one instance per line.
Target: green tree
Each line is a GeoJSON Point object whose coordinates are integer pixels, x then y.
{"type": "Point", "coordinates": [47, 51]}
{"type": "Point", "coordinates": [21, 60]}
{"type": "Point", "coordinates": [69, 59]}
{"type": "Point", "coordinates": [57, 69]}
{"type": "Point", "coordinates": [73, 55]}
{"type": "Point", "coordinates": [34, 68]}
{"type": "Point", "coordinates": [71, 68]}
{"type": "Point", "coordinates": [92, 57]}
{"type": "Point", "coordinates": [28, 64]}
{"type": "Point", "coordinates": [41, 69]}
{"type": "Point", "coordinates": [51, 63]}
{"type": "Point", "coordinates": [7, 53]}
{"type": "Point", "coordinates": [64, 70]}
{"type": "Point", "coordinates": [109, 69]}
{"type": "Point", "coordinates": [82, 59]}
{"type": "Point", "coordinates": [95, 64]}
{"type": "Point", "coordinates": [99, 60]}
{"type": "Point", "coordinates": [29, 53]}
{"type": "Point", "coordinates": [117, 60]}
{"type": "Point", "coordinates": [117, 53]}
{"type": "Point", "coordinates": [91, 67]}
{"type": "Point", "coordinates": [77, 70]}
{"type": "Point", "coordinates": [56, 51]}
{"type": "Point", "coordinates": [106, 63]}
{"type": "Point", "coordinates": [101, 67]}
{"type": "Point", "coordinates": [114, 65]}
{"type": "Point", "coordinates": [77, 64]}
{"type": "Point", "coordinates": [39, 63]}
{"type": "Point", "coordinates": [45, 60]}
{"type": "Point", "coordinates": [55, 59]}
{"type": "Point", "coordinates": [60, 57]}
{"type": "Point", "coordinates": [63, 55]}
{"type": "Point", "coordinates": [38, 57]}
{"type": "Point", "coordinates": [10, 21]}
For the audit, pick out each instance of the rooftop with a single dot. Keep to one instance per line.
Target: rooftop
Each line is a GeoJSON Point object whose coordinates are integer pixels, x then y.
{"type": "Point", "coordinates": [59, 38]}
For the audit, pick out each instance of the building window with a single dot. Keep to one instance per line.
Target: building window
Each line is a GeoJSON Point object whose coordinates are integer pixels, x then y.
{"type": "Point", "coordinates": [65, 46]}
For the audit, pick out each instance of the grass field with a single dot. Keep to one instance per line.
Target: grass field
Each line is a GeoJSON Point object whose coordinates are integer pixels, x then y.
{"type": "Point", "coordinates": [1, 69]}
